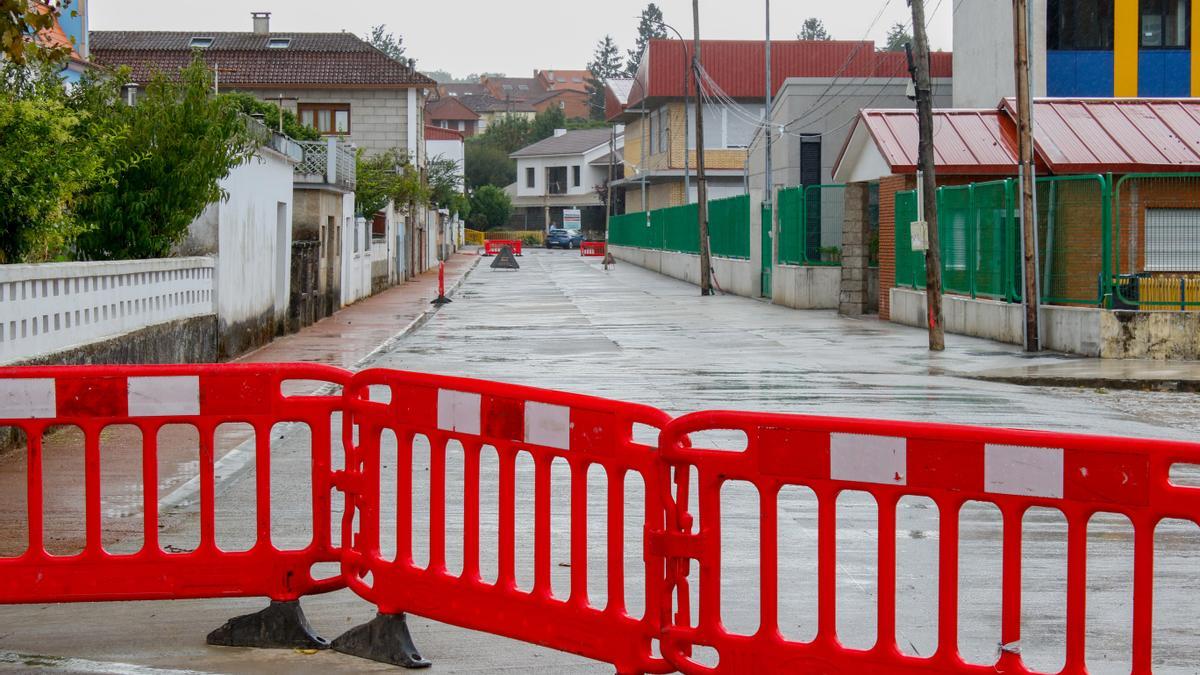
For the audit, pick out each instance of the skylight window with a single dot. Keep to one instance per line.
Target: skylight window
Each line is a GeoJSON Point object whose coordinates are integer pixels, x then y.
{"type": "Point", "coordinates": [279, 43]}
{"type": "Point", "coordinates": [200, 43]}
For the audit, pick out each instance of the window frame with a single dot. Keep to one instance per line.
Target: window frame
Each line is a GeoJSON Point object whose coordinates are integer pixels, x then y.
{"type": "Point", "coordinates": [576, 175]}
{"type": "Point", "coordinates": [530, 177]}
{"type": "Point", "coordinates": [333, 109]}
{"type": "Point", "coordinates": [1055, 19]}
{"type": "Point", "coordinates": [1162, 16]}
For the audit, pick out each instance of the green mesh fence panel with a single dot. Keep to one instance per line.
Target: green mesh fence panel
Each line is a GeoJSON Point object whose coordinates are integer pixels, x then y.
{"type": "Point", "coordinates": [1072, 231]}
{"type": "Point", "coordinates": [680, 227]}
{"type": "Point", "coordinates": [631, 229]}
{"type": "Point", "coordinates": [791, 226]}
{"type": "Point", "coordinates": [910, 264]}
{"type": "Point", "coordinates": [1155, 249]}
{"type": "Point", "coordinates": [810, 224]}
{"type": "Point", "coordinates": [729, 226]}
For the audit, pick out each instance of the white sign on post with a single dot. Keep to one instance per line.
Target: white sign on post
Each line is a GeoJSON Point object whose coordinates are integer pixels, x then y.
{"type": "Point", "coordinates": [920, 235]}
{"type": "Point", "coordinates": [572, 219]}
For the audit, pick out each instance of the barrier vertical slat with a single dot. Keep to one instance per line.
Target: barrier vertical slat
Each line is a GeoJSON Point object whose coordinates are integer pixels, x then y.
{"type": "Point", "coordinates": [1143, 593]}
{"type": "Point", "coordinates": [508, 501]}
{"type": "Point", "coordinates": [36, 497]}
{"type": "Point", "coordinates": [541, 526]}
{"type": "Point", "coordinates": [208, 502]}
{"type": "Point", "coordinates": [321, 504]}
{"type": "Point", "coordinates": [91, 455]}
{"type": "Point", "coordinates": [1010, 603]}
{"type": "Point", "coordinates": [471, 510]}
{"type": "Point", "coordinates": [437, 502]}
{"type": "Point", "coordinates": [404, 493]}
{"type": "Point", "coordinates": [947, 649]}
{"type": "Point", "coordinates": [1076, 590]}
{"type": "Point", "coordinates": [149, 486]}
{"type": "Point", "coordinates": [262, 479]}
{"type": "Point", "coordinates": [769, 560]}
{"type": "Point", "coordinates": [709, 503]}
{"type": "Point", "coordinates": [616, 539]}
{"type": "Point", "coordinates": [826, 566]}
{"type": "Point", "coordinates": [579, 533]}
{"type": "Point", "coordinates": [886, 624]}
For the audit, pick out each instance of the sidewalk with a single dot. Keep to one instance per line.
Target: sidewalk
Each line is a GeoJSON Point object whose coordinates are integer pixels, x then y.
{"type": "Point", "coordinates": [347, 339]}
{"type": "Point", "coordinates": [1181, 376]}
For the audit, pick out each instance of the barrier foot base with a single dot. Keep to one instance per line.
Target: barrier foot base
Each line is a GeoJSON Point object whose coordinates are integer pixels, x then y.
{"type": "Point", "coordinates": [440, 300]}
{"type": "Point", "coordinates": [385, 639]}
{"type": "Point", "coordinates": [282, 625]}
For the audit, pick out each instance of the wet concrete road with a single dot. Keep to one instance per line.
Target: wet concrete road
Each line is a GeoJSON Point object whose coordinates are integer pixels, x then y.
{"type": "Point", "coordinates": [561, 322]}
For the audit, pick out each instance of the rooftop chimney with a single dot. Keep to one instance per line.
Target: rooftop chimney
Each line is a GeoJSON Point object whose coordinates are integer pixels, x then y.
{"type": "Point", "coordinates": [262, 22]}
{"type": "Point", "coordinates": [560, 132]}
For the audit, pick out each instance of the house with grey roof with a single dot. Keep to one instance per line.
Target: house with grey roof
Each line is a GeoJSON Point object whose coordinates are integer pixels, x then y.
{"type": "Point", "coordinates": [564, 172]}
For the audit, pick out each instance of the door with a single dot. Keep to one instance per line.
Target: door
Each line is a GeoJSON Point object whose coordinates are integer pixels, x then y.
{"type": "Point", "coordinates": [810, 174]}
{"type": "Point", "coordinates": [768, 249]}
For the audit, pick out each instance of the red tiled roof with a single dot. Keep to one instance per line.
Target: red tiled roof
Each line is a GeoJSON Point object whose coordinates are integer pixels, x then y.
{"type": "Point", "coordinates": [449, 108]}
{"type": "Point", "coordinates": [313, 59]}
{"type": "Point", "coordinates": [661, 73]}
{"type": "Point", "coordinates": [433, 133]}
{"type": "Point", "coordinates": [1117, 135]}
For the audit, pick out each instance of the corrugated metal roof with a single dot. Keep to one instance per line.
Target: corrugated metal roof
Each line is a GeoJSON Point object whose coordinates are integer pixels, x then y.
{"type": "Point", "coordinates": [1116, 135]}
{"type": "Point", "coordinates": [736, 65]}
{"type": "Point", "coordinates": [964, 141]}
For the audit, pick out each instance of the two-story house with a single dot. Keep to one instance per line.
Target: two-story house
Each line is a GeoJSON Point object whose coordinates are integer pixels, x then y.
{"type": "Point", "coordinates": [564, 172]}
{"type": "Point", "coordinates": [1080, 48]}
{"type": "Point", "coordinates": [449, 112]}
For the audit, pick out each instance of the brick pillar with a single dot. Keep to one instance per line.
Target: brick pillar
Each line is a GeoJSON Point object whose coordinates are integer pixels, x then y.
{"type": "Point", "coordinates": [853, 298]}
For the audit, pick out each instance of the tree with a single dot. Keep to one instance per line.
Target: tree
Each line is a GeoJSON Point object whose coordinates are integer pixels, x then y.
{"type": "Point", "coordinates": [386, 42]}
{"type": "Point", "coordinates": [490, 207]}
{"type": "Point", "coordinates": [45, 165]}
{"type": "Point", "coordinates": [19, 19]}
{"type": "Point", "coordinates": [439, 76]}
{"type": "Point", "coordinates": [508, 132]}
{"type": "Point", "coordinates": [605, 65]}
{"type": "Point", "coordinates": [180, 141]}
{"type": "Point", "coordinates": [813, 29]}
{"type": "Point", "coordinates": [387, 176]}
{"type": "Point", "coordinates": [898, 36]}
{"type": "Point", "coordinates": [486, 164]}
{"type": "Point", "coordinates": [650, 27]}
{"type": "Point", "coordinates": [545, 123]}
{"type": "Point", "coordinates": [444, 181]}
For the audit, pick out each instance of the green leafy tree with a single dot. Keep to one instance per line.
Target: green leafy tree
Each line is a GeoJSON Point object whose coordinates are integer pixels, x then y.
{"type": "Point", "coordinates": [490, 207]}
{"type": "Point", "coordinates": [650, 27]}
{"type": "Point", "coordinates": [269, 112]}
{"type": "Point", "coordinates": [181, 140]}
{"type": "Point", "coordinates": [813, 29]}
{"type": "Point", "coordinates": [386, 42]}
{"type": "Point", "coordinates": [605, 65]}
{"type": "Point", "coordinates": [387, 177]}
{"type": "Point", "coordinates": [444, 181]}
{"type": "Point", "coordinates": [461, 204]}
{"type": "Point", "coordinates": [898, 36]}
{"type": "Point", "coordinates": [487, 164]}
{"type": "Point", "coordinates": [509, 133]}
{"type": "Point", "coordinates": [19, 19]}
{"type": "Point", "coordinates": [545, 123]}
{"type": "Point", "coordinates": [45, 164]}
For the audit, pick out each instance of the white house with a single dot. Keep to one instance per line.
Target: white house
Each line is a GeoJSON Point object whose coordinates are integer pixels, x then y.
{"type": "Point", "coordinates": [442, 143]}
{"type": "Point", "coordinates": [564, 172]}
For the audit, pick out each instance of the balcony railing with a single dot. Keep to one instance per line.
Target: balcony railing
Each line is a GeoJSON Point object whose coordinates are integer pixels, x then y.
{"type": "Point", "coordinates": [329, 162]}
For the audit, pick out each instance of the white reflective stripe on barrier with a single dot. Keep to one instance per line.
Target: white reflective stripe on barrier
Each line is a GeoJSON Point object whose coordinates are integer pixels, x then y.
{"type": "Point", "coordinates": [868, 459]}
{"type": "Point", "coordinates": [1025, 471]}
{"type": "Point", "coordinates": [548, 425]}
{"type": "Point", "coordinates": [458, 411]}
{"type": "Point", "coordinates": [162, 396]}
{"type": "Point", "coordinates": [28, 398]}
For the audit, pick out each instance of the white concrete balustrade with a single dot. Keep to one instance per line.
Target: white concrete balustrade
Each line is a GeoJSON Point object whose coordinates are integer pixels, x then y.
{"type": "Point", "coordinates": [49, 307]}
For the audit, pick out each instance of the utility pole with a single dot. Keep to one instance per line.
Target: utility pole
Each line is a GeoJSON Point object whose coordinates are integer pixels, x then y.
{"type": "Point", "coordinates": [919, 65]}
{"type": "Point", "coordinates": [1026, 176]}
{"type": "Point", "coordinates": [768, 253]}
{"type": "Point", "coordinates": [701, 183]}
{"type": "Point", "coordinates": [608, 191]}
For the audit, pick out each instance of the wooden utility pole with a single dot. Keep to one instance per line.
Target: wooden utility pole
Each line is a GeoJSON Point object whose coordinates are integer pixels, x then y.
{"type": "Point", "coordinates": [928, 187]}
{"type": "Point", "coordinates": [1025, 151]}
{"type": "Point", "coordinates": [701, 182]}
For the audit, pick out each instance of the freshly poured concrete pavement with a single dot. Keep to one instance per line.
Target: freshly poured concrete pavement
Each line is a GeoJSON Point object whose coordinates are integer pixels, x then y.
{"type": "Point", "coordinates": [561, 322]}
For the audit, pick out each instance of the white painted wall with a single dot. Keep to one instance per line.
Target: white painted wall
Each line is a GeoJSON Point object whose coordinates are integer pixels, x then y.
{"type": "Point", "coordinates": [52, 307]}
{"type": "Point", "coordinates": [455, 150]}
{"type": "Point", "coordinates": [356, 254]}
{"type": "Point", "coordinates": [734, 276]}
{"type": "Point", "coordinates": [983, 52]}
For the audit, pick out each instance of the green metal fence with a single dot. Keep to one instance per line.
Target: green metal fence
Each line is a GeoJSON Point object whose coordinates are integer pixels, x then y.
{"type": "Point", "coordinates": [810, 224]}
{"type": "Point", "coordinates": [979, 234]}
{"type": "Point", "coordinates": [1156, 241]}
{"type": "Point", "coordinates": [676, 228]}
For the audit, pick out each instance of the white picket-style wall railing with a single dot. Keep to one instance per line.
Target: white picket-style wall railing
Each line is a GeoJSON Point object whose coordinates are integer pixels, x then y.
{"type": "Point", "coordinates": [49, 307]}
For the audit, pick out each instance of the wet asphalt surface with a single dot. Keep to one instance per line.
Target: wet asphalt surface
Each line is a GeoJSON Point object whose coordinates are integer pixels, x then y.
{"type": "Point", "coordinates": [563, 323]}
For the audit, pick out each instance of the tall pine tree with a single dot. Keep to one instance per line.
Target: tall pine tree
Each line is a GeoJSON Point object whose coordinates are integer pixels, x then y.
{"type": "Point", "coordinates": [605, 65]}
{"type": "Point", "coordinates": [650, 27]}
{"type": "Point", "coordinates": [813, 29]}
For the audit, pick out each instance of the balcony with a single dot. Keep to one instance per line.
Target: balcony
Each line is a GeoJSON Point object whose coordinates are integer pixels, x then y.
{"type": "Point", "coordinates": [326, 162]}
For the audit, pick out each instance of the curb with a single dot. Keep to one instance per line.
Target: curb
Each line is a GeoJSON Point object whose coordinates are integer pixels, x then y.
{"type": "Point", "coordinates": [1184, 386]}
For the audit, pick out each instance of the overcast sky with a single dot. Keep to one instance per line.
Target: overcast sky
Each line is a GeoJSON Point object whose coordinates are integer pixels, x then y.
{"type": "Point", "coordinates": [517, 36]}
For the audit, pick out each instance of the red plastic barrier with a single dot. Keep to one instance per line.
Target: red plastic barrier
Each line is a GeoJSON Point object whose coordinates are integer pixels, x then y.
{"type": "Point", "coordinates": [592, 248]}
{"type": "Point", "coordinates": [150, 397]}
{"type": "Point", "coordinates": [493, 246]}
{"type": "Point", "coordinates": [1015, 470]}
{"type": "Point", "coordinates": [581, 431]}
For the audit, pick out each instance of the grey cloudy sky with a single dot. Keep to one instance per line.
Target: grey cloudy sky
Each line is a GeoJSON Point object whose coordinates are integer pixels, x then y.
{"type": "Point", "coordinates": [514, 37]}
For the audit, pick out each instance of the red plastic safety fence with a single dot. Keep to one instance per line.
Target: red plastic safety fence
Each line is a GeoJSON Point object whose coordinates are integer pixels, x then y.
{"type": "Point", "coordinates": [592, 248]}
{"type": "Point", "coordinates": [1079, 476]}
{"type": "Point", "coordinates": [507, 422]}
{"type": "Point", "coordinates": [493, 246]}
{"type": "Point", "coordinates": [101, 402]}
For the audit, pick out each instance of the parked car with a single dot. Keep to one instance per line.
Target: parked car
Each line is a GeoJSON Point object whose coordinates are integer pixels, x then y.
{"type": "Point", "coordinates": [563, 238]}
